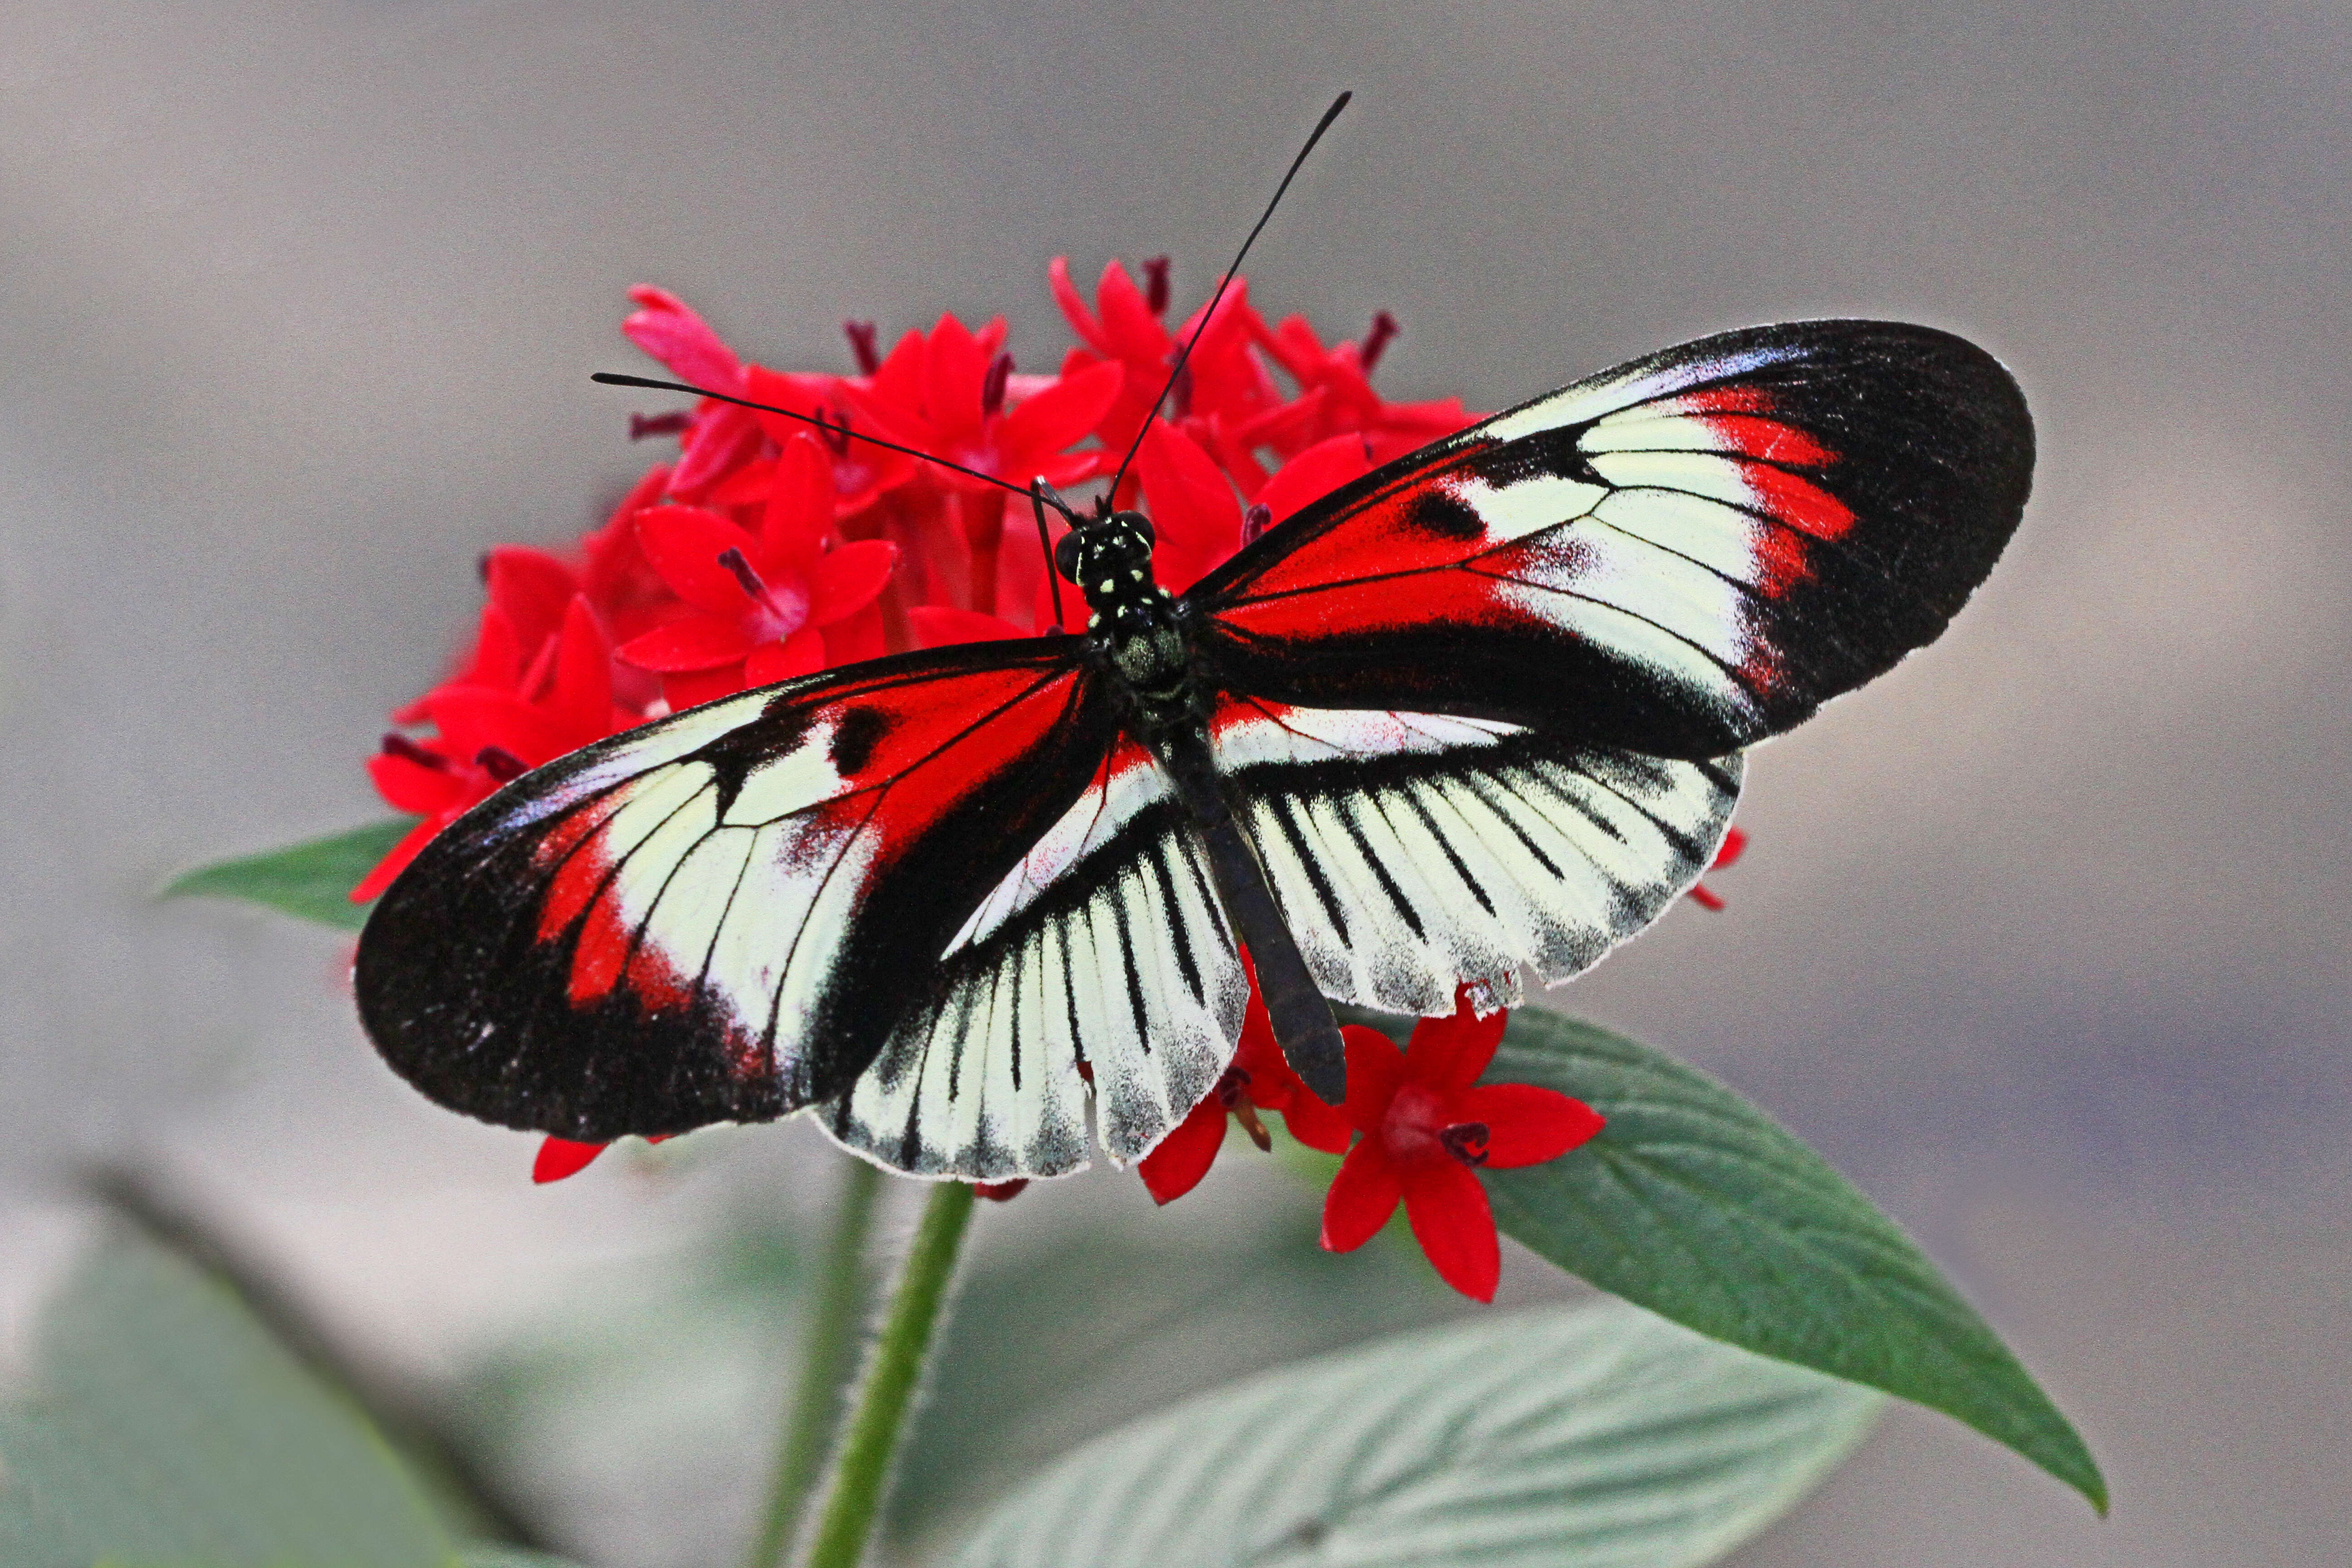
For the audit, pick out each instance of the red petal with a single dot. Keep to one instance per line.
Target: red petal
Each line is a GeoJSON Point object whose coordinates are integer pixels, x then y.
{"type": "Point", "coordinates": [724, 438]}
{"type": "Point", "coordinates": [411, 786]}
{"type": "Point", "coordinates": [1447, 1208]}
{"type": "Point", "coordinates": [1061, 414]}
{"type": "Point", "coordinates": [860, 636]}
{"type": "Point", "coordinates": [1177, 1163]}
{"type": "Point", "coordinates": [1000, 1192]}
{"type": "Point", "coordinates": [936, 625]}
{"type": "Point", "coordinates": [532, 588]}
{"type": "Point", "coordinates": [800, 511]}
{"type": "Point", "coordinates": [1735, 844]}
{"type": "Point", "coordinates": [1315, 1124]}
{"type": "Point", "coordinates": [1073, 305]}
{"type": "Point", "coordinates": [668, 329]}
{"type": "Point", "coordinates": [749, 485]}
{"type": "Point", "coordinates": [1375, 1069]}
{"type": "Point", "coordinates": [801, 393]}
{"type": "Point", "coordinates": [473, 718]}
{"type": "Point", "coordinates": [691, 642]}
{"type": "Point", "coordinates": [693, 688]}
{"type": "Point", "coordinates": [849, 579]}
{"type": "Point", "coordinates": [583, 698]}
{"type": "Point", "coordinates": [496, 660]}
{"type": "Point", "coordinates": [1450, 1053]}
{"type": "Point", "coordinates": [561, 1157]}
{"type": "Point", "coordinates": [1527, 1124]}
{"type": "Point", "coordinates": [683, 543]}
{"type": "Point", "coordinates": [1314, 474]}
{"type": "Point", "coordinates": [895, 392]}
{"type": "Point", "coordinates": [1193, 507]}
{"type": "Point", "coordinates": [371, 885]}
{"type": "Point", "coordinates": [1128, 324]}
{"type": "Point", "coordinates": [953, 368]}
{"type": "Point", "coordinates": [1362, 1197]}
{"type": "Point", "coordinates": [802, 653]}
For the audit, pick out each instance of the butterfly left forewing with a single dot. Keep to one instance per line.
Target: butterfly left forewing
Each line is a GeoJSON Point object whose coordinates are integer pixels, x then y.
{"type": "Point", "coordinates": [721, 915]}
{"type": "Point", "coordinates": [1681, 556]}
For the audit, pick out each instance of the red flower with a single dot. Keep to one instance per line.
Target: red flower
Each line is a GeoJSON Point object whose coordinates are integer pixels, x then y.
{"type": "Point", "coordinates": [1428, 1125]}
{"type": "Point", "coordinates": [755, 600]}
{"type": "Point", "coordinates": [490, 734]}
{"type": "Point", "coordinates": [1258, 1079]}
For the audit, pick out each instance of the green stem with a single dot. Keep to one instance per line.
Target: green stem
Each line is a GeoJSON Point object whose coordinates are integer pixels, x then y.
{"type": "Point", "coordinates": [825, 1362]}
{"type": "Point", "coordinates": [862, 1466]}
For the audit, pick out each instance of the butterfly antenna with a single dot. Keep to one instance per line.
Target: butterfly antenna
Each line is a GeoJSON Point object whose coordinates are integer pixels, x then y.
{"type": "Point", "coordinates": [1321, 125]}
{"type": "Point", "coordinates": [827, 426]}
{"type": "Point", "coordinates": [1041, 496]}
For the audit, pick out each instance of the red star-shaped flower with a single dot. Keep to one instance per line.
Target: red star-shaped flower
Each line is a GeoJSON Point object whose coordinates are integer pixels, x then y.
{"type": "Point", "coordinates": [755, 602]}
{"type": "Point", "coordinates": [1428, 1126]}
{"type": "Point", "coordinates": [1258, 1079]}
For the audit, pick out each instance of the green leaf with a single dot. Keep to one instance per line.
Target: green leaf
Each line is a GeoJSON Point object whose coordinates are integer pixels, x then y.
{"type": "Point", "coordinates": [1598, 1435]}
{"type": "Point", "coordinates": [165, 1427]}
{"type": "Point", "coordinates": [1699, 1207]}
{"type": "Point", "coordinates": [312, 882]}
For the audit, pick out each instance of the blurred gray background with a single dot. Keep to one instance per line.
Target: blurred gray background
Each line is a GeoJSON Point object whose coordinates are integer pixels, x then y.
{"type": "Point", "coordinates": [2041, 938]}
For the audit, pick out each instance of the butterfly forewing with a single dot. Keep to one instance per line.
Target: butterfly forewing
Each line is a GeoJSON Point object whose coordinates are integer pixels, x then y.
{"type": "Point", "coordinates": [1679, 557]}
{"type": "Point", "coordinates": [722, 915]}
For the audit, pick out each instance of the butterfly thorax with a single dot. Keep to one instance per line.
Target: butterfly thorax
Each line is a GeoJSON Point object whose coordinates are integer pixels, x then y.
{"type": "Point", "coordinates": [1136, 626]}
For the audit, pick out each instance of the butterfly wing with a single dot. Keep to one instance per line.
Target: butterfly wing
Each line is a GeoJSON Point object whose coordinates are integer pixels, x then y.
{"type": "Point", "coordinates": [721, 915]}
{"type": "Point", "coordinates": [1099, 965]}
{"type": "Point", "coordinates": [1408, 851]}
{"type": "Point", "coordinates": [1413, 851]}
{"type": "Point", "coordinates": [1681, 556]}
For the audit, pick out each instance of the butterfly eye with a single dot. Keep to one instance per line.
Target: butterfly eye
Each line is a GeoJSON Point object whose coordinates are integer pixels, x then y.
{"type": "Point", "coordinates": [1142, 525]}
{"type": "Point", "coordinates": [1065, 555]}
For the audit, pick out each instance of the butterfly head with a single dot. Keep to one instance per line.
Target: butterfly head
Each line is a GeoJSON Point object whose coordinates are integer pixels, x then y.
{"type": "Point", "coordinates": [1109, 558]}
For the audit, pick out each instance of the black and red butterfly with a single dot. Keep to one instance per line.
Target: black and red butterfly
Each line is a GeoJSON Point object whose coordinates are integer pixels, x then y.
{"type": "Point", "coordinates": [1475, 715]}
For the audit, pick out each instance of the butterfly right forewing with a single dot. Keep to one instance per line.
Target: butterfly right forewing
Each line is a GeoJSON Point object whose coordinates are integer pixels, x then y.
{"type": "Point", "coordinates": [1681, 556]}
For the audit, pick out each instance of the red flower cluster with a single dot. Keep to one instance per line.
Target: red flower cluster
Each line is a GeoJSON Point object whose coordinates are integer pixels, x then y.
{"type": "Point", "coordinates": [771, 548]}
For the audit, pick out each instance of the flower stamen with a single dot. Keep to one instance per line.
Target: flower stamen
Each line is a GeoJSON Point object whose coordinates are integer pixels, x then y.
{"type": "Point", "coordinates": [992, 386]}
{"type": "Point", "coordinates": [399, 745]}
{"type": "Point", "coordinates": [861, 346]}
{"type": "Point", "coordinates": [500, 763]}
{"type": "Point", "coordinates": [1466, 1142]}
{"type": "Point", "coordinates": [740, 570]}
{"type": "Point", "coordinates": [1377, 340]}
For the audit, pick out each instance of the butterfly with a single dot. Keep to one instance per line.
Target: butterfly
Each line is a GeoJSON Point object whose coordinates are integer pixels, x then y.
{"type": "Point", "coordinates": [1474, 716]}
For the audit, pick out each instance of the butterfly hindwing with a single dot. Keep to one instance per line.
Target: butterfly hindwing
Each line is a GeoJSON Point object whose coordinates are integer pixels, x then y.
{"type": "Point", "coordinates": [720, 915]}
{"type": "Point", "coordinates": [1411, 851]}
{"type": "Point", "coordinates": [1102, 965]}
{"type": "Point", "coordinates": [1681, 556]}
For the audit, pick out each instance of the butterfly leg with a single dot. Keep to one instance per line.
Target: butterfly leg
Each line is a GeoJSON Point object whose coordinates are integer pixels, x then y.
{"type": "Point", "coordinates": [1302, 1020]}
